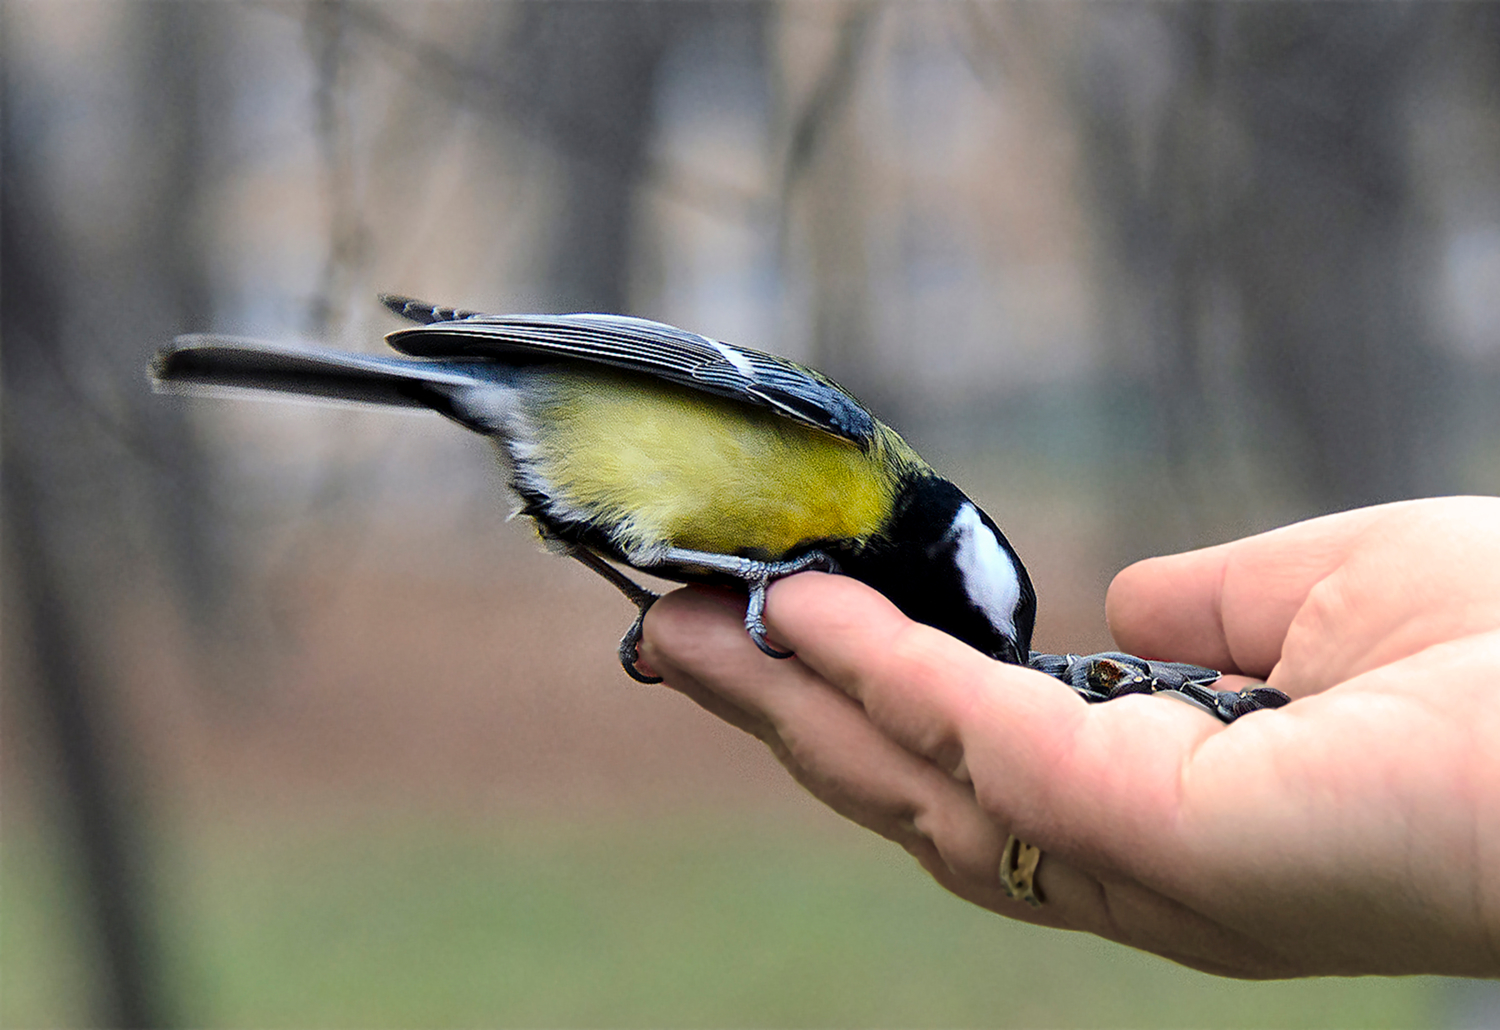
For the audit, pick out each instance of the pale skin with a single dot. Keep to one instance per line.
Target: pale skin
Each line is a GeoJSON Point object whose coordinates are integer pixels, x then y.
{"type": "Point", "coordinates": [1355, 831]}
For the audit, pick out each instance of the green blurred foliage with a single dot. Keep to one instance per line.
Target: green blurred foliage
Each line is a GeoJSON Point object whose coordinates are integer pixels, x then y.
{"type": "Point", "coordinates": [689, 921]}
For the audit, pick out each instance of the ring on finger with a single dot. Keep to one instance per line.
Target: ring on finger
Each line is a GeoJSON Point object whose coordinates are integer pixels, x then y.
{"type": "Point", "coordinates": [1018, 864]}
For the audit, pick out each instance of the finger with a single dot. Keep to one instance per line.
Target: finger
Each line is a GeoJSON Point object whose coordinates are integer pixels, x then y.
{"type": "Point", "coordinates": [829, 744]}
{"type": "Point", "coordinates": [1100, 782]}
{"type": "Point", "coordinates": [929, 692]}
{"type": "Point", "coordinates": [836, 748]}
{"type": "Point", "coordinates": [699, 643]}
{"type": "Point", "coordinates": [683, 623]}
{"type": "Point", "coordinates": [916, 682]}
{"type": "Point", "coordinates": [1229, 606]}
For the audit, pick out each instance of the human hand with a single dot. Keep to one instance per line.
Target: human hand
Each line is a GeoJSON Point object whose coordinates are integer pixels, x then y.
{"type": "Point", "coordinates": [1357, 830]}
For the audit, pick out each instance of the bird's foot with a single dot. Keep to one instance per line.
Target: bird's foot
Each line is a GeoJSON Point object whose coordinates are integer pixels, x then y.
{"type": "Point", "coordinates": [756, 575]}
{"type": "Point", "coordinates": [630, 644]}
{"type": "Point", "coordinates": [766, 574]}
{"type": "Point", "coordinates": [643, 599]}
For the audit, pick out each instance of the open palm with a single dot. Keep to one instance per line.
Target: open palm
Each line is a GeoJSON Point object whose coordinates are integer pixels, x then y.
{"type": "Point", "coordinates": [1357, 830]}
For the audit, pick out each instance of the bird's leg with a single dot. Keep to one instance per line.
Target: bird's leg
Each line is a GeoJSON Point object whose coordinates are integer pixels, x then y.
{"type": "Point", "coordinates": [638, 595]}
{"type": "Point", "coordinates": [1111, 674]}
{"type": "Point", "coordinates": [756, 575]}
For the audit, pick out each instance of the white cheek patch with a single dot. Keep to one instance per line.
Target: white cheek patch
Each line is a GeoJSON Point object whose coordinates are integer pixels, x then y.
{"type": "Point", "coordinates": [989, 575]}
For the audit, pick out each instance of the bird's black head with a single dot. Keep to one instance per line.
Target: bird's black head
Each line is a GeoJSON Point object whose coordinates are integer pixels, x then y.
{"type": "Point", "coordinates": [945, 563]}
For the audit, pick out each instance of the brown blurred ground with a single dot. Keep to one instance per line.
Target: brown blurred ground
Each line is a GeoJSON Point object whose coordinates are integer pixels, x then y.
{"type": "Point", "coordinates": [466, 671]}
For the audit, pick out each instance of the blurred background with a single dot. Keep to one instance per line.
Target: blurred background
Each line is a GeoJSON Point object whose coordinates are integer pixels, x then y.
{"type": "Point", "coordinates": [297, 732]}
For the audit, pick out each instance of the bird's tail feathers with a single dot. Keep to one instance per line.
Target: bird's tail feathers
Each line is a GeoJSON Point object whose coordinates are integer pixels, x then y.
{"type": "Point", "coordinates": [228, 364]}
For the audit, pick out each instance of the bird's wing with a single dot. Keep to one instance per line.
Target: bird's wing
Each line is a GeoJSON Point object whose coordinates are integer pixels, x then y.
{"type": "Point", "coordinates": [637, 345]}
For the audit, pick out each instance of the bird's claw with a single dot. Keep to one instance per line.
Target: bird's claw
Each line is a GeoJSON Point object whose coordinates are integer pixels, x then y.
{"type": "Point", "coordinates": [642, 598]}
{"type": "Point", "coordinates": [755, 623]}
{"type": "Point", "coordinates": [756, 575]}
{"type": "Point", "coordinates": [755, 607]}
{"type": "Point", "coordinates": [630, 644]}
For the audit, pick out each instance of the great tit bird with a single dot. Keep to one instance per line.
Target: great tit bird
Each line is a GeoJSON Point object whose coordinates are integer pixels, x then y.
{"type": "Point", "coordinates": [633, 443]}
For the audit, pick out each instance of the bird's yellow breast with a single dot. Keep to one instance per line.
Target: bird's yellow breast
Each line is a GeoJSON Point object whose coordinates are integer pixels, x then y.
{"type": "Point", "coordinates": [654, 464]}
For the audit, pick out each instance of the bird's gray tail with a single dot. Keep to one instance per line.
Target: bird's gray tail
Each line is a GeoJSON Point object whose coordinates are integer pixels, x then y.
{"type": "Point", "coordinates": [214, 364]}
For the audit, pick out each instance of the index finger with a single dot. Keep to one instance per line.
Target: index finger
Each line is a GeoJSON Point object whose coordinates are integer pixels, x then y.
{"type": "Point", "coordinates": [920, 685]}
{"type": "Point", "coordinates": [1051, 768]}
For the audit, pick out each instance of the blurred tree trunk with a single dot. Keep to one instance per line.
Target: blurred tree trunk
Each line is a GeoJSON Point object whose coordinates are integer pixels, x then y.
{"type": "Point", "coordinates": [826, 208]}
{"type": "Point", "coordinates": [71, 697]}
{"type": "Point", "coordinates": [104, 486]}
{"type": "Point", "coordinates": [1256, 196]}
{"type": "Point", "coordinates": [179, 54]}
{"type": "Point", "coordinates": [70, 702]}
{"type": "Point", "coordinates": [1327, 258]}
{"type": "Point", "coordinates": [591, 70]}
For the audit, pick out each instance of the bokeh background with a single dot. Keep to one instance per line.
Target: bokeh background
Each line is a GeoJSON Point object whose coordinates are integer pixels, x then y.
{"type": "Point", "coordinates": [298, 732]}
